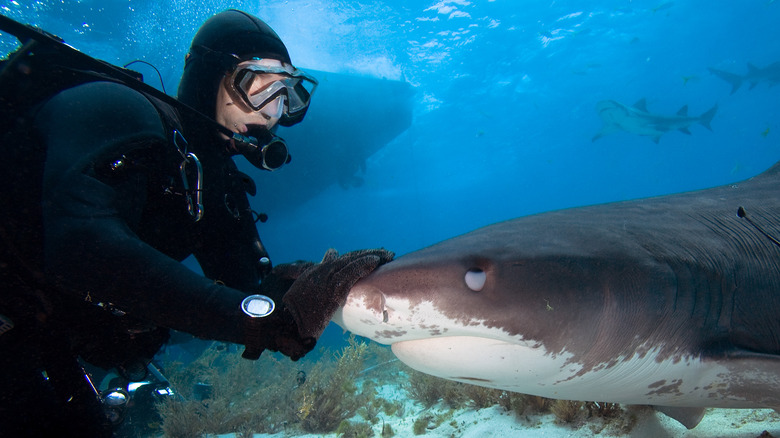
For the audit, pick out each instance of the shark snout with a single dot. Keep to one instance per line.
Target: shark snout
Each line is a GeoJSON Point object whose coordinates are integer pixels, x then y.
{"type": "Point", "coordinates": [364, 310]}
{"type": "Point", "coordinates": [372, 300]}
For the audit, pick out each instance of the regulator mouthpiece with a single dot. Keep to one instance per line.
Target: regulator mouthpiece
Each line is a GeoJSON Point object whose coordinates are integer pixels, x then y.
{"type": "Point", "coordinates": [265, 150]}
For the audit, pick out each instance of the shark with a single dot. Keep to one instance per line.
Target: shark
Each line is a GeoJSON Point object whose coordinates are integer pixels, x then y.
{"type": "Point", "coordinates": [769, 74]}
{"type": "Point", "coordinates": [670, 301]}
{"type": "Point", "coordinates": [637, 120]}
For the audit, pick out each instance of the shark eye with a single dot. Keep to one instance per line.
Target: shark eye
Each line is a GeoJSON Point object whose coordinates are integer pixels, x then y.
{"type": "Point", "coordinates": [475, 279]}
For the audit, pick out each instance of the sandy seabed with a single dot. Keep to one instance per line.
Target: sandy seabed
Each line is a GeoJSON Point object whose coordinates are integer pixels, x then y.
{"type": "Point", "coordinates": [495, 421]}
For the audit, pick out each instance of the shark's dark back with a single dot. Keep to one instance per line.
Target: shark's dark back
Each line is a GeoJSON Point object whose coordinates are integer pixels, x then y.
{"type": "Point", "coordinates": [719, 244]}
{"type": "Point", "coordinates": [712, 275]}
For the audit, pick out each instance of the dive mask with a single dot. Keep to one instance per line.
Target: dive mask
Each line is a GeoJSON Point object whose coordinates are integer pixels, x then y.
{"type": "Point", "coordinates": [288, 97]}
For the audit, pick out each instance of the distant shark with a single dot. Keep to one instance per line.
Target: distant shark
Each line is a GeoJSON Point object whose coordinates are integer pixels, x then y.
{"type": "Point", "coordinates": [637, 120]}
{"type": "Point", "coordinates": [671, 301]}
{"type": "Point", "coordinates": [770, 74]}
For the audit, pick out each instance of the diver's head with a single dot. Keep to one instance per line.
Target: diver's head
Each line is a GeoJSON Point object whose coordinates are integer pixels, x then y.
{"type": "Point", "coordinates": [238, 71]}
{"type": "Point", "coordinates": [262, 92]}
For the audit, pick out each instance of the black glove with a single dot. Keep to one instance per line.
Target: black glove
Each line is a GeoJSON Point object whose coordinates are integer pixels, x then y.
{"type": "Point", "coordinates": [313, 293]}
{"type": "Point", "coordinates": [281, 277]}
{"type": "Point", "coordinates": [322, 288]}
{"type": "Point", "coordinates": [277, 331]}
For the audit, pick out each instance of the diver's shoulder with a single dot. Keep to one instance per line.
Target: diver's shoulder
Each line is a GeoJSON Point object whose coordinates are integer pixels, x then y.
{"type": "Point", "coordinates": [104, 95]}
{"type": "Point", "coordinates": [104, 103]}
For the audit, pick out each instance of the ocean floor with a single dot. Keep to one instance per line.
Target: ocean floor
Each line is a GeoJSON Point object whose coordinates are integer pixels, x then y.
{"type": "Point", "coordinates": [362, 391]}
{"type": "Point", "coordinates": [495, 421]}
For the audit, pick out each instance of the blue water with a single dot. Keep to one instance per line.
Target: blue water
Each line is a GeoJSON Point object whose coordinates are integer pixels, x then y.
{"type": "Point", "coordinates": [503, 102]}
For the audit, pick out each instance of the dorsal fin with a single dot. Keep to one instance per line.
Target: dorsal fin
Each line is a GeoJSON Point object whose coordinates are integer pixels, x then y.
{"type": "Point", "coordinates": [641, 104]}
{"type": "Point", "coordinates": [683, 111]}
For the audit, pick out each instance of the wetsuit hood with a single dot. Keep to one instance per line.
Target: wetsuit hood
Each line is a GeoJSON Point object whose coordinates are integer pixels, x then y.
{"type": "Point", "coordinates": [222, 42]}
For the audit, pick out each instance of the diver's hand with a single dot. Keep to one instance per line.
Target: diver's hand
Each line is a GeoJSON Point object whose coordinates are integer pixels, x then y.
{"type": "Point", "coordinates": [275, 332]}
{"type": "Point", "coordinates": [322, 288]}
{"type": "Point", "coordinates": [281, 277]}
{"type": "Point", "coordinates": [312, 293]}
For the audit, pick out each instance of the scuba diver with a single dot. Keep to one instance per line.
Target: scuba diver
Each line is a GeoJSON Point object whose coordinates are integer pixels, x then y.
{"type": "Point", "coordinates": [107, 188]}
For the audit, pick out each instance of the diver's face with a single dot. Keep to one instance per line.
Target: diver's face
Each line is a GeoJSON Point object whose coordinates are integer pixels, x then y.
{"type": "Point", "coordinates": [233, 113]}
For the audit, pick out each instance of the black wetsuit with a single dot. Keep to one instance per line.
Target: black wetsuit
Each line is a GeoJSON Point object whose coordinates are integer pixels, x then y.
{"type": "Point", "coordinates": [94, 224]}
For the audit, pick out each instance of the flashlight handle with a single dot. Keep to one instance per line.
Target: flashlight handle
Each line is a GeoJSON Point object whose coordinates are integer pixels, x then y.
{"type": "Point", "coordinates": [244, 141]}
{"type": "Point", "coordinates": [153, 370]}
{"type": "Point", "coordinates": [250, 149]}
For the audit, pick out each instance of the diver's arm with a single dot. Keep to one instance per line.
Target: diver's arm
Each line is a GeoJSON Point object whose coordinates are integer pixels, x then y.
{"type": "Point", "coordinates": [90, 248]}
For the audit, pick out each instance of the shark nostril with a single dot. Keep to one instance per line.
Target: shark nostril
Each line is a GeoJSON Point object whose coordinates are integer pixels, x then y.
{"type": "Point", "coordinates": [475, 279]}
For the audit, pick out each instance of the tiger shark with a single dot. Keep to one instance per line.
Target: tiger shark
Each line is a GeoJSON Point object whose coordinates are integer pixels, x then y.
{"type": "Point", "coordinates": [770, 74]}
{"type": "Point", "coordinates": [671, 301]}
{"type": "Point", "coordinates": [637, 120]}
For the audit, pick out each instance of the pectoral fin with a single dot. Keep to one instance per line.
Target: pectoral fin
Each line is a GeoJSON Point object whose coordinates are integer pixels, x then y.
{"type": "Point", "coordinates": [688, 417]}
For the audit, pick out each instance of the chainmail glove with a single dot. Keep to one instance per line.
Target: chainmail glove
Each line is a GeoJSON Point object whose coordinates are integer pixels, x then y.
{"type": "Point", "coordinates": [321, 289]}
{"type": "Point", "coordinates": [277, 331]}
{"type": "Point", "coordinates": [313, 293]}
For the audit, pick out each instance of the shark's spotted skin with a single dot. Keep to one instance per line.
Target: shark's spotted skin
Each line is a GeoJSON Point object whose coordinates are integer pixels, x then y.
{"type": "Point", "coordinates": [670, 301]}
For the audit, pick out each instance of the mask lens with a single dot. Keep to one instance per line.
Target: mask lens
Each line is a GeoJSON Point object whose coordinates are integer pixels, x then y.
{"type": "Point", "coordinates": [274, 109]}
{"type": "Point", "coordinates": [296, 86]}
{"type": "Point", "coordinates": [299, 92]}
{"type": "Point", "coordinates": [249, 85]}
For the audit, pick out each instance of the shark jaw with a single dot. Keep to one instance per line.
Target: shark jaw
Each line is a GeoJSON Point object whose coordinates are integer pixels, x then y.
{"type": "Point", "coordinates": [532, 370]}
{"type": "Point", "coordinates": [474, 353]}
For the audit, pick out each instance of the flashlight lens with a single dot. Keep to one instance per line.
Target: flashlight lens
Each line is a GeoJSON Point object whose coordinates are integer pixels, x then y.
{"type": "Point", "coordinates": [115, 398]}
{"type": "Point", "coordinates": [275, 154]}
